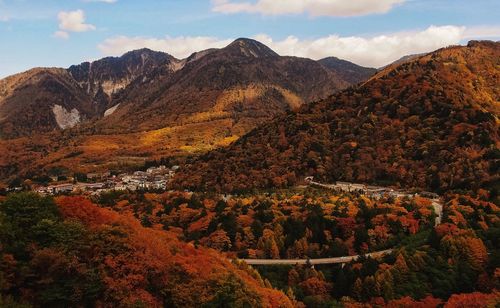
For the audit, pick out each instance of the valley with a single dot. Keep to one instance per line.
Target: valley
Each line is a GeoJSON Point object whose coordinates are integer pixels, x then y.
{"type": "Point", "coordinates": [237, 177]}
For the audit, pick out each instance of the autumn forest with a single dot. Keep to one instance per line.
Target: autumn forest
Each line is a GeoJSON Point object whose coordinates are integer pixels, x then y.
{"type": "Point", "coordinates": [237, 177]}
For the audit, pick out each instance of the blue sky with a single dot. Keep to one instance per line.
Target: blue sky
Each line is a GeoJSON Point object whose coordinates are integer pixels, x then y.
{"type": "Point", "coordinates": [370, 32]}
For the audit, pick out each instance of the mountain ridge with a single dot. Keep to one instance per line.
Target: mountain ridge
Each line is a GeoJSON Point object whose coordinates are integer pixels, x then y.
{"type": "Point", "coordinates": [111, 83]}
{"type": "Point", "coordinates": [348, 71]}
{"type": "Point", "coordinates": [241, 67]}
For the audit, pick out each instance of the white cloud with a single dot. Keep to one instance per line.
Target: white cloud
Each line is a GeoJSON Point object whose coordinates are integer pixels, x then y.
{"type": "Point", "coordinates": [374, 51]}
{"type": "Point", "coordinates": [180, 47]}
{"type": "Point", "coordinates": [72, 21]}
{"type": "Point", "coordinates": [342, 8]}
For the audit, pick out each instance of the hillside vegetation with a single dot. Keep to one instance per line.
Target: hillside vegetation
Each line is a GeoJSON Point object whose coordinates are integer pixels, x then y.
{"type": "Point", "coordinates": [454, 263]}
{"type": "Point", "coordinates": [430, 123]}
{"type": "Point", "coordinates": [69, 252]}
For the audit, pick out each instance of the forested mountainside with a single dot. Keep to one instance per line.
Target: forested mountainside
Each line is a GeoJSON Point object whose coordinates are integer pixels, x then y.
{"type": "Point", "coordinates": [430, 123]}
{"type": "Point", "coordinates": [155, 249]}
{"type": "Point", "coordinates": [70, 252]}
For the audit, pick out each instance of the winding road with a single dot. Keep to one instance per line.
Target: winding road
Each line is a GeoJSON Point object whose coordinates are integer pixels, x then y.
{"type": "Point", "coordinates": [438, 209]}
{"type": "Point", "coordinates": [338, 260]}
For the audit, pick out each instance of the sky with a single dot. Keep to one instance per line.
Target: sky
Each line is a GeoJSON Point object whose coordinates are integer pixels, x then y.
{"type": "Point", "coordinates": [59, 33]}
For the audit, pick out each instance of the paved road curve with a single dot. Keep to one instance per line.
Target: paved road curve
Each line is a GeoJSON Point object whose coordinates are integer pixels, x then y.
{"type": "Point", "coordinates": [436, 203]}
{"type": "Point", "coordinates": [338, 260]}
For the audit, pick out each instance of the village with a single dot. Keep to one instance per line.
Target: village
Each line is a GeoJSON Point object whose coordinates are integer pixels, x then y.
{"type": "Point", "coordinates": [157, 178]}
{"type": "Point", "coordinates": [154, 178]}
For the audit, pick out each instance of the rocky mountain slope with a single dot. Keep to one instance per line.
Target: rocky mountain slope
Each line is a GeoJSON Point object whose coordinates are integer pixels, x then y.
{"type": "Point", "coordinates": [41, 100]}
{"type": "Point", "coordinates": [106, 78]}
{"type": "Point", "coordinates": [45, 99]}
{"type": "Point", "coordinates": [431, 123]}
{"type": "Point", "coordinates": [244, 84]}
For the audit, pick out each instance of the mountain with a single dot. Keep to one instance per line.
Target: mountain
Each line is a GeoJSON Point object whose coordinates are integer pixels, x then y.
{"type": "Point", "coordinates": [44, 99]}
{"type": "Point", "coordinates": [245, 83]}
{"type": "Point", "coordinates": [105, 78]}
{"type": "Point", "coordinates": [41, 100]}
{"type": "Point", "coordinates": [430, 123]}
{"type": "Point", "coordinates": [348, 71]}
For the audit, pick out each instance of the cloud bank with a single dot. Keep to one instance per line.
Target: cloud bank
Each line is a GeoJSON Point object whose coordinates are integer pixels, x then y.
{"type": "Point", "coordinates": [375, 51]}
{"type": "Point", "coordinates": [339, 8]}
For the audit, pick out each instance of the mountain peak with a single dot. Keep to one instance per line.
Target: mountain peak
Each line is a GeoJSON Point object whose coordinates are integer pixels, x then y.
{"type": "Point", "coordinates": [245, 40]}
{"type": "Point", "coordinates": [146, 52]}
{"type": "Point", "coordinates": [113, 74]}
{"type": "Point", "coordinates": [250, 48]}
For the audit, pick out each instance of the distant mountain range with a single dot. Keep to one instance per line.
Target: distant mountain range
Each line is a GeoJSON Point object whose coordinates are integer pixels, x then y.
{"type": "Point", "coordinates": [245, 82]}
{"type": "Point", "coordinates": [431, 122]}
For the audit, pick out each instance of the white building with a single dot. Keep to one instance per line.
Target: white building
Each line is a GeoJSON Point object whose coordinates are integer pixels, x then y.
{"type": "Point", "coordinates": [59, 189]}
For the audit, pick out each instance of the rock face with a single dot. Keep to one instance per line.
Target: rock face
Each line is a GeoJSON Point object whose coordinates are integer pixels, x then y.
{"type": "Point", "coordinates": [106, 78]}
{"type": "Point", "coordinates": [431, 122]}
{"type": "Point", "coordinates": [244, 83]}
{"type": "Point", "coordinates": [66, 118]}
{"type": "Point", "coordinates": [111, 110]}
